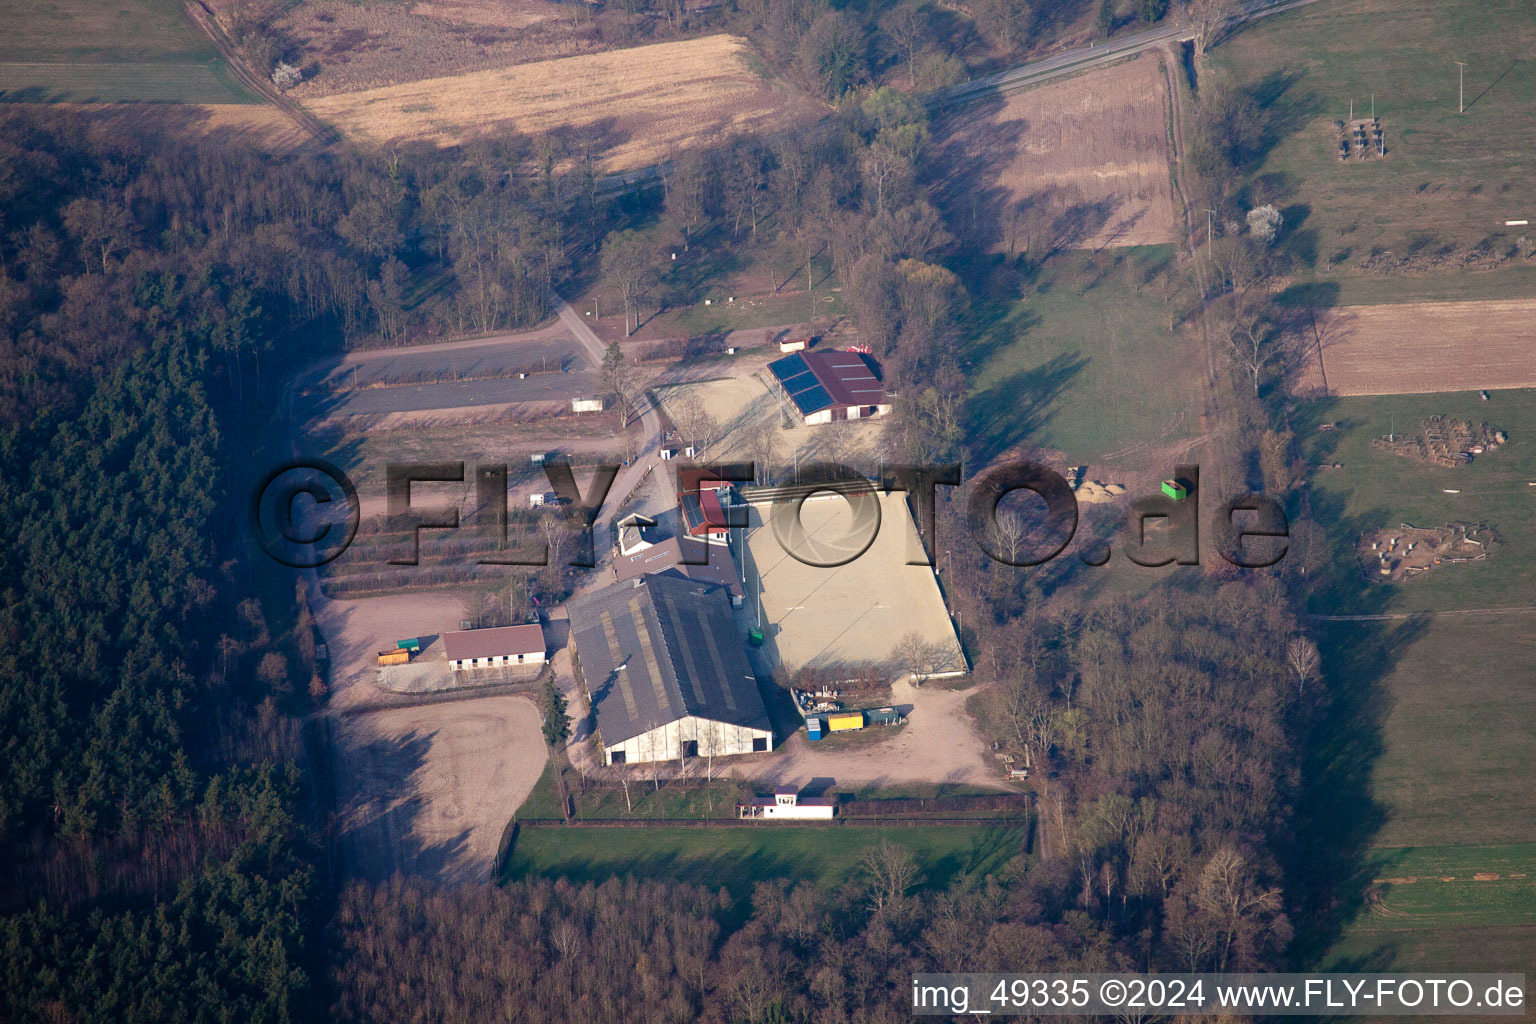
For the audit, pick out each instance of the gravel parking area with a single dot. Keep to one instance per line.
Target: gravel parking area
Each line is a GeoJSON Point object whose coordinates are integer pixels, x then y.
{"type": "Point", "coordinates": [939, 744]}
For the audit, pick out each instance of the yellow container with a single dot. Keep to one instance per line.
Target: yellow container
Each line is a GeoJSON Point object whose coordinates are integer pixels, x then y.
{"type": "Point", "coordinates": [843, 721]}
{"type": "Point", "coordinates": [399, 657]}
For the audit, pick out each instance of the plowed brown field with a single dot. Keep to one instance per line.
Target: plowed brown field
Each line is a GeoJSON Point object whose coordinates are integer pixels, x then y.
{"type": "Point", "coordinates": [1419, 347]}
{"type": "Point", "coordinates": [1082, 163]}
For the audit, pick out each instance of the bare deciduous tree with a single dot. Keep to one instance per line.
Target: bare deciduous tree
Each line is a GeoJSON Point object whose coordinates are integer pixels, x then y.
{"type": "Point", "coordinates": [1209, 18]}
{"type": "Point", "coordinates": [922, 659]}
{"type": "Point", "coordinates": [1029, 716]}
{"type": "Point", "coordinates": [892, 872]}
{"type": "Point", "coordinates": [1229, 892]}
{"type": "Point", "coordinates": [1302, 658]}
{"type": "Point", "coordinates": [629, 265]}
{"type": "Point", "coordinates": [693, 421]}
{"type": "Point", "coordinates": [1253, 339]}
{"type": "Point", "coordinates": [1007, 533]}
{"type": "Point", "coordinates": [763, 442]}
{"type": "Point", "coordinates": [620, 380]}
{"type": "Point", "coordinates": [906, 26]}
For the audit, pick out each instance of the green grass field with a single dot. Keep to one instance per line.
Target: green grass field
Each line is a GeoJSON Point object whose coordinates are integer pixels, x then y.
{"type": "Point", "coordinates": [1443, 947]}
{"type": "Point", "coordinates": [736, 858]}
{"type": "Point", "coordinates": [1449, 180]}
{"type": "Point", "coordinates": [132, 51]}
{"type": "Point", "coordinates": [1440, 735]}
{"type": "Point", "coordinates": [1456, 885]}
{"type": "Point", "coordinates": [716, 801]}
{"type": "Point", "coordinates": [745, 314]}
{"type": "Point", "coordinates": [1445, 731]}
{"type": "Point", "coordinates": [1457, 721]}
{"type": "Point", "coordinates": [1084, 362]}
{"type": "Point", "coordinates": [1446, 908]}
{"type": "Point", "coordinates": [1377, 489]}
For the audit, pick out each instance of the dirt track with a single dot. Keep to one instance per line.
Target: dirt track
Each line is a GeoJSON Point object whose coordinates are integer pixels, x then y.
{"type": "Point", "coordinates": [1419, 347]}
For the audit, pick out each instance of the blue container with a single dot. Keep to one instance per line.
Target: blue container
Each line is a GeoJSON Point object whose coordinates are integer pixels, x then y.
{"type": "Point", "coordinates": [813, 727]}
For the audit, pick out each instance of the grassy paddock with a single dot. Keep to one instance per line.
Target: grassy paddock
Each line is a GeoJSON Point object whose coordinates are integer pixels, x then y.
{"type": "Point", "coordinates": [1444, 741]}
{"type": "Point", "coordinates": [1443, 947]}
{"type": "Point", "coordinates": [1459, 735]}
{"type": "Point", "coordinates": [1449, 180]}
{"type": "Point", "coordinates": [736, 858]}
{"type": "Point", "coordinates": [1446, 908]}
{"type": "Point", "coordinates": [1084, 362]}
{"type": "Point", "coordinates": [134, 50]}
{"type": "Point", "coordinates": [1377, 489]}
{"type": "Point", "coordinates": [716, 801]}
{"type": "Point", "coordinates": [1455, 885]}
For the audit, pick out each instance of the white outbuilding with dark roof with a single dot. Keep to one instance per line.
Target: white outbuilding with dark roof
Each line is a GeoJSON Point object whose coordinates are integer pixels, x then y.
{"type": "Point", "coordinates": [667, 672]}
{"type": "Point", "coordinates": [827, 386]}
{"type": "Point", "coordinates": [500, 647]}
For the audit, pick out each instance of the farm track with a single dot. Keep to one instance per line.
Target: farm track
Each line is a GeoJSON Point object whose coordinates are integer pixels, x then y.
{"type": "Point", "coordinates": [1519, 609]}
{"type": "Point", "coordinates": [203, 18]}
{"type": "Point", "coordinates": [898, 822]}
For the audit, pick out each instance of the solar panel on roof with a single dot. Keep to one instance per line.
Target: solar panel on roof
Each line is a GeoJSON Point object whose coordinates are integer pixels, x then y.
{"type": "Point", "coordinates": [799, 382]}
{"type": "Point", "coordinates": [812, 383]}
{"type": "Point", "coordinates": [812, 399]}
{"type": "Point", "coordinates": [789, 366]}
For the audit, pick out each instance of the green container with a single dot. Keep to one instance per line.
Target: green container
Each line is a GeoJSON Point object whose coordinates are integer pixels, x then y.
{"type": "Point", "coordinates": [755, 637]}
{"type": "Point", "coordinates": [1175, 490]}
{"type": "Point", "coordinates": [413, 645]}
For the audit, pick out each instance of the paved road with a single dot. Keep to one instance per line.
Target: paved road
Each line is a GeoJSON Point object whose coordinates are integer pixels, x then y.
{"type": "Point", "coordinates": [560, 367]}
{"type": "Point", "coordinates": [1072, 61]}
{"type": "Point", "coordinates": [649, 450]}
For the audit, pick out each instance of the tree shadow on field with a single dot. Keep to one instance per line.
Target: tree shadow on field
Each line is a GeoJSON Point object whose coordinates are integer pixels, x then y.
{"type": "Point", "coordinates": [1283, 110]}
{"type": "Point", "coordinates": [577, 855]}
{"type": "Point", "coordinates": [378, 805]}
{"type": "Point", "coordinates": [973, 150]}
{"type": "Point", "coordinates": [1328, 864]}
{"type": "Point", "coordinates": [1327, 857]}
{"type": "Point", "coordinates": [1308, 313]}
{"type": "Point", "coordinates": [1050, 20]}
{"type": "Point", "coordinates": [1009, 411]}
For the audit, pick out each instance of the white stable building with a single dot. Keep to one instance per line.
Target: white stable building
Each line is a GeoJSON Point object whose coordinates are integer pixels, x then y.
{"type": "Point", "coordinates": [787, 803]}
{"type": "Point", "coordinates": [667, 672]}
{"type": "Point", "coordinates": [499, 647]}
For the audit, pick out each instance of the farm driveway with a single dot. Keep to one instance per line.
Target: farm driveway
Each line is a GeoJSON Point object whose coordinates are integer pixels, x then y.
{"type": "Point", "coordinates": [938, 744]}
